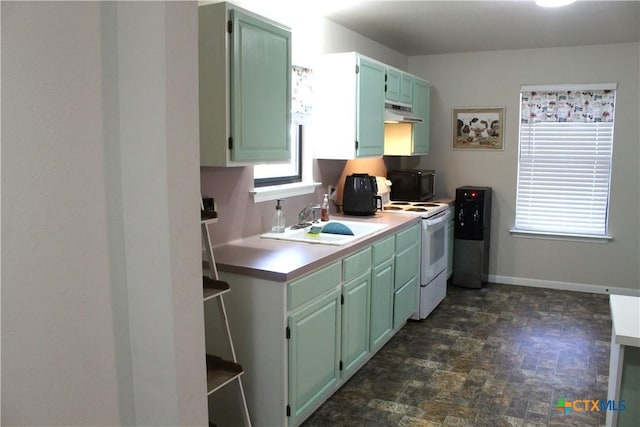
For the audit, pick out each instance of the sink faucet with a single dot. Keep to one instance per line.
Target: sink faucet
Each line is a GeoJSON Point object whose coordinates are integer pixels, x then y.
{"type": "Point", "coordinates": [304, 213]}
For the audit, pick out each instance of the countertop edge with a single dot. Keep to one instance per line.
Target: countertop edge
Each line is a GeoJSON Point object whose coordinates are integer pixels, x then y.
{"type": "Point", "coordinates": [225, 253]}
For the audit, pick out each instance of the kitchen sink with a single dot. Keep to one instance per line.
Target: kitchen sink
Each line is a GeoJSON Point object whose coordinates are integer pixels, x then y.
{"type": "Point", "coordinates": [360, 230]}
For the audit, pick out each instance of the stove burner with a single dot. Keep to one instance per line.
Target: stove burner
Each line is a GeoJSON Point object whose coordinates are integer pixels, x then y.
{"type": "Point", "coordinates": [400, 203]}
{"type": "Point", "coordinates": [392, 208]}
{"type": "Point", "coordinates": [426, 205]}
{"type": "Point", "coordinates": [417, 209]}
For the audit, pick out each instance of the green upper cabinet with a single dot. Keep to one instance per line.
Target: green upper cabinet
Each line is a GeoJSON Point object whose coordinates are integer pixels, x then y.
{"type": "Point", "coordinates": [245, 87]}
{"type": "Point", "coordinates": [421, 101]}
{"type": "Point", "coordinates": [393, 82]}
{"type": "Point", "coordinates": [406, 139]}
{"type": "Point", "coordinates": [406, 89]}
{"type": "Point", "coordinates": [399, 86]}
{"type": "Point", "coordinates": [370, 109]}
{"type": "Point", "coordinates": [348, 107]}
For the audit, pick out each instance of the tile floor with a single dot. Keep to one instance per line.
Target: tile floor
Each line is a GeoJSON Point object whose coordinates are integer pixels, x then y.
{"type": "Point", "coordinates": [497, 356]}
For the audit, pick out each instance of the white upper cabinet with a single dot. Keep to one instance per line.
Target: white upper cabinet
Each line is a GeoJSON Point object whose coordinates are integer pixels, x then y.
{"type": "Point", "coordinates": [245, 87]}
{"type": "Point", "coordinates": [350, 93]}
{"type": "Point", "coordinates": [348, 109]}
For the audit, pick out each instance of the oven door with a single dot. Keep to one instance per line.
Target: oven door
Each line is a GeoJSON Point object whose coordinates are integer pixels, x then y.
{"type": "Point", "coordinates": [434, 247]}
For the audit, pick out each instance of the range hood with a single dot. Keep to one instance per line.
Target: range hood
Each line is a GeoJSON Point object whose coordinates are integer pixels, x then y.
{"type": "Point", "coordinates": [397, 113]}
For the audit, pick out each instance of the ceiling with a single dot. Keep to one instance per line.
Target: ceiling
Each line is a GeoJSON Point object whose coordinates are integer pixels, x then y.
{"type": "Point", "coordinates": [436, 27]}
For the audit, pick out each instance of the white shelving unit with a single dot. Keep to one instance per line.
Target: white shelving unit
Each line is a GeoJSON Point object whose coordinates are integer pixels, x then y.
{"type": "Point", "coordinates": [220, 372]}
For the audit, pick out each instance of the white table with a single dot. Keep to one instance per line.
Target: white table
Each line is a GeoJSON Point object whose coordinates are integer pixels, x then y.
{"type": "Point", "coordinates": [624, 375]}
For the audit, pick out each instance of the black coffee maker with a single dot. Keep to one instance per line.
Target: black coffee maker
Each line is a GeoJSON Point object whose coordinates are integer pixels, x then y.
{"type": "Point", "coordinates": [360, 195]}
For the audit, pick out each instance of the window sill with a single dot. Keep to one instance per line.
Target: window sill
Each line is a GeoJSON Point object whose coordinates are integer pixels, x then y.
{"type": "Point", "coordinates": [558, 236]}
{"type": "Point", "coordinates": [273, 192]}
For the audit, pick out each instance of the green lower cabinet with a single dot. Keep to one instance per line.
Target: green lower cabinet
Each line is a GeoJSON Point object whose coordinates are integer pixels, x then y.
{"type": "Point", "coordinates": [341, 313]}
{"type": "Point", "coordinates": [314, 354]}
{"type": "Point", "coordinates": [406, 275]}
{"type": "Point", "coordinates": [355, 322]}
{"type": "Point", "coordinates": [381, 304]}
{"type": "Point", "coordinates": [407, 265]}
{"type": "Point", "coordinates": [404, 303]}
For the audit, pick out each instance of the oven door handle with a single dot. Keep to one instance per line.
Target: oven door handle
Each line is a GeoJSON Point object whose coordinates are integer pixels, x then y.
{"type": "Point", "coordinates": [441, 217]}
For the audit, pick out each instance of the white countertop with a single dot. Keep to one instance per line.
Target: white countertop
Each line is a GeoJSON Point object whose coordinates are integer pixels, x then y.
{"type": "Point", "coordinates": [625, 315]}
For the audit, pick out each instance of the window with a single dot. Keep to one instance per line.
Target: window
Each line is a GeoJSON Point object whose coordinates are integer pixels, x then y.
{"type": "Point", "coordinates": [282, 173]}
{"type": "Point", "coordinates": [564, 163]}
{"type": "Point", "coordinates": [291, 172]}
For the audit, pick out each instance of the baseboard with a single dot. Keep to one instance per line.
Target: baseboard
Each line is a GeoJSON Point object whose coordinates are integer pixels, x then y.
{"type": "Point", "coordinates": [565, 286]}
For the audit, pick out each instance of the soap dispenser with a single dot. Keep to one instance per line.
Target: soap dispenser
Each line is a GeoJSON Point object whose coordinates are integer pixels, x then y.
{"type": "Point", "coordinates": [324, 211]}
{"type": "Point", "coordinates": [278, 219]}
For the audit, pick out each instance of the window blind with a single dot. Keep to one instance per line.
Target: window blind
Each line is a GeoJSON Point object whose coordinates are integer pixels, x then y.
{"type": "Point", "coordinates": [564, 164]}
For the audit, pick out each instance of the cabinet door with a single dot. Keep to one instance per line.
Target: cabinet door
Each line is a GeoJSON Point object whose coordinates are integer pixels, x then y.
{"type": "Point", "coordinates": [260, 90]}
{"type": "Point", "coordinates": [404, 303]}
{"type": "Point", "coordinates": [392, 87]}
{"type": "Point", "coordinates": [406, 89]}
{"type": "Point", "coordinates": [370, 109]}
{"type": "Point", "coordinates": [407, 265]}
{"type": "Point", "coordinates": [407, 257]}
{"type": "Point", "coordinates": [406, 275]}
{"type": "Point", "coordinates": [381, 303]}
{"type": "Point", "coordinates": [421, 100]}
{"type": "Point", "coordinates": [314, 354]}
{"type": "Point", "coordinates": [355, 322]}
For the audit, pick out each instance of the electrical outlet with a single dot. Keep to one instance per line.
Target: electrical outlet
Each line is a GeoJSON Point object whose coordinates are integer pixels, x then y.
{"type": "Point", "coordinates": [331, 191]}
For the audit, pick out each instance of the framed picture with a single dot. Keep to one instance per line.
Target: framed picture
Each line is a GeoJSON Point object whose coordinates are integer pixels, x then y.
{"type": "Point", "coordinates": [478, 128]}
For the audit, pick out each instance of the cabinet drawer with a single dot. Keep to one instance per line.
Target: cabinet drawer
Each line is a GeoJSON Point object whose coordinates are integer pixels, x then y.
{"type": "Point", "coordinates": [383, 250]}
{"type": "Point", "coordinates": [407, 237]}
{"type": "Point", "coordinates": [314, 284]}
{"type": "Point", "coordinates": [407, 265]}
{"type": "Point", "coordinates": [356, 264]}
{"type": "Point", "coordinates": [405, 302]}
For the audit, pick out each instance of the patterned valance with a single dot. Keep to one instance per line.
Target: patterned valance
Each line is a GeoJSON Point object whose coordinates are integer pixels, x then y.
{"type": "Point", "coordinates": [301, 94]}
{"type": "Point", "coordinates": [586, 106]}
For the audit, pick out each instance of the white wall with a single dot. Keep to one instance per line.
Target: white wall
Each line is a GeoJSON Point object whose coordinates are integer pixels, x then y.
{"type": "Point", "coordinates": [493, 79]}
{"type": "Point", "coordinates": [313, 35]}
{"type": "Point", "coordinates": [102, 320]}
{"type": "Point", "coordinates": [318, 36]}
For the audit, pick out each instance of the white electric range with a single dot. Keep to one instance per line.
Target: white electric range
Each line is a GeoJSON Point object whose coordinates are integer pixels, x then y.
{"type": "Point", "coordinates": [423, 209]}
{"type": "Point", "coordinates": [434, 249]}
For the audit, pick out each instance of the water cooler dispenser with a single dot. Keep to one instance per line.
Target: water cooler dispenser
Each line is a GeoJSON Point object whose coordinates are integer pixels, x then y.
{"type": "Point", "coordinates": [472, 229]}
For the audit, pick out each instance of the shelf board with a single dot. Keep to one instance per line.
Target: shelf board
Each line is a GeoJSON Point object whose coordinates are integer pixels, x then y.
{"type": "Point", "coordinates": [212, 288]}
{"type": "Point", "coordinates": [220, 372]}
{"type": "Point", "coordinates": [208, 217]}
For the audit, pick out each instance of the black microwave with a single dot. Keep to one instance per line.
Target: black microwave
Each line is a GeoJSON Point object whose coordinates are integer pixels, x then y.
{"type": "Point", "coordinates": [414, 185]}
